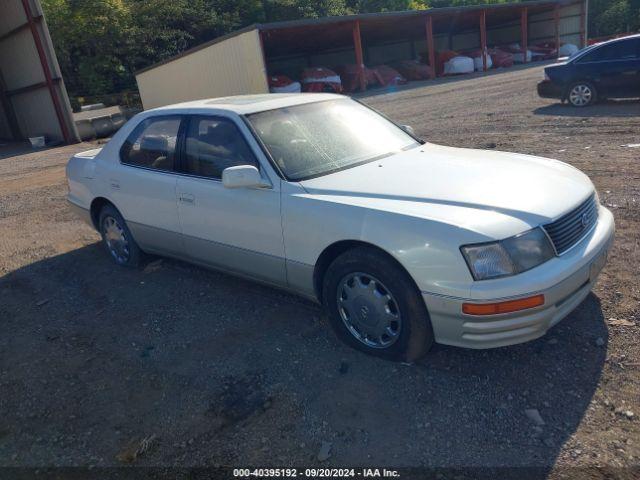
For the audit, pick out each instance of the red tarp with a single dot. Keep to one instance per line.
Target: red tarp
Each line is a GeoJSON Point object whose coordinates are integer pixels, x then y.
{"type": "Point", "coordinates": [279, 81]}
{"type": "Point", "coordinates": [413, 70]}
{"type": "Point", "coordinates": [350, 75]}
{"type": "Point", "coordinates": [500, 58]}
{"type": "Point", "coordinates": [544, 51]}
{"type": "Point", "coordinates": [443, 57]}
{"type": "Point", "coordinates": [388, 76]}
{"type": "Point", "coordinates": [320, 79]}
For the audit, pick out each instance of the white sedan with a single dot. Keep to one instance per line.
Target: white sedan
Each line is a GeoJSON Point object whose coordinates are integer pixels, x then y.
{"type": "Point", "coordinates": [405, 243]}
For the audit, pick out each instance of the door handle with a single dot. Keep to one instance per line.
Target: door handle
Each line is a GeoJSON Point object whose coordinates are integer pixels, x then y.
{"type": "Point", "coordinates": [187, 198]}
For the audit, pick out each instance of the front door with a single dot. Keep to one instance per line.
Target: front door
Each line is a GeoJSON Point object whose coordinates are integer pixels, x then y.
{"type": "Point", "coordinates": [233, 229]}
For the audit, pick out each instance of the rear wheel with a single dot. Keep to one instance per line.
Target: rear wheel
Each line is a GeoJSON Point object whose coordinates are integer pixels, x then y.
{"type": "Point", "coordinates": [581, 94]}
{"type": "Point", "coordinates": [117, 238]}
{"type": "Point", "coordinates": [375, 307]}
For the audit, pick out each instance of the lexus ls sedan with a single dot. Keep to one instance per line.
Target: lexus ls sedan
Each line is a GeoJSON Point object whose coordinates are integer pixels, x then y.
{"type": "Point", "coordinates": [404, 242]}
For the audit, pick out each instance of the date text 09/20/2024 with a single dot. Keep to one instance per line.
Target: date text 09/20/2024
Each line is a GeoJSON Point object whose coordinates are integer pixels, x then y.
{"type": "Point", "coordinates": [315, 472]}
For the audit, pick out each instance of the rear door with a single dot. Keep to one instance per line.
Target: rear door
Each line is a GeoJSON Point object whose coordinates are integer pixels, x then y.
{"type": "Point", "coordinates": [239, 229]}
{"type": "Point", "coordinates": [143, 187]}
{"type": "Point", "coordinates": [615, 68]}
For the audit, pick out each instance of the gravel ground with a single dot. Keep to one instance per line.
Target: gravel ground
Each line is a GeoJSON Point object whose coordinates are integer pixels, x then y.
{"type": "Point", "coordinates": [175, 365]}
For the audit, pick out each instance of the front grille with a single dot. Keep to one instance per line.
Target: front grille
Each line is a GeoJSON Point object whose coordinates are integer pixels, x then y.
{"type": "Point", "coordinates": [570, 228]}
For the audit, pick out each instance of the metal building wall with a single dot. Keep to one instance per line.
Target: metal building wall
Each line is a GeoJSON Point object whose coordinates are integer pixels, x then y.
{"type": "Point", "coordinates": [28, 107]}
{"type": "Point", "coordinates": [232, 66]}
{"type": "Point", "coordinates": [541, 27]}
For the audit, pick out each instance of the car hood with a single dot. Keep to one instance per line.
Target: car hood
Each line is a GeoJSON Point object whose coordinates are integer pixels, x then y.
{"type": "Point", "coordinates": [497, 194]}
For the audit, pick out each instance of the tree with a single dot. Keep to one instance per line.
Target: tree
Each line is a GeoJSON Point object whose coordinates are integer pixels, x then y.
{"type": "Point", "coordinates": [607, 17]}
{"type": "Point", "coordinates": [88, 36]}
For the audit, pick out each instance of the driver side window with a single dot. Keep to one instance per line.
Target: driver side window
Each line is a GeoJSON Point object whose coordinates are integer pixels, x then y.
{"type": "Point", "coordinates": [213, 144]}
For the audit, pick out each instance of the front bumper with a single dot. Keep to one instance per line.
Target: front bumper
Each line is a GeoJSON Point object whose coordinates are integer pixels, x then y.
{"type": "Point", "coordinates": [548, 89]}
{"type": "Point", "coordinates": [566, 283]}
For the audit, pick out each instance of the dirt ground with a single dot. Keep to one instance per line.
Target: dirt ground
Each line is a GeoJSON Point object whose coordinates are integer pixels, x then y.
{"type": "Point", "coordinates": [173, 365]}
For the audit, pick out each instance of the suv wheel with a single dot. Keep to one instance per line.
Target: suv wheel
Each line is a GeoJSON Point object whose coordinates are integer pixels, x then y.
{"type": "Point", "coordinates": [375, 307]}
{"type": "Point", "coordinates": [581, 94]}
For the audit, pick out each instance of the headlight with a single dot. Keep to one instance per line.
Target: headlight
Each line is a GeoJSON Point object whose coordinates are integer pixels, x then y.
{"type": "Point", "coordinates": [508, 257]}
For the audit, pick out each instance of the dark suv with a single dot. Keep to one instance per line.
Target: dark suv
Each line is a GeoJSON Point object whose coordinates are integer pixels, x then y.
{"type": "Point", "coordinates": [605, 70]}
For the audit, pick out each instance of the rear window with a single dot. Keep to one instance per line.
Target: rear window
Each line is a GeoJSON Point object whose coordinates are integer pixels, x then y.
{"type": "Point", "coordinates": [152, 144]}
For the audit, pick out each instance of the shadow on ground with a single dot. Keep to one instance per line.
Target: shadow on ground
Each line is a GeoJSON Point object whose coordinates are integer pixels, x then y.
{"type": "Point", "coordinates": [209, 369]}
{"type": "Point", "coordinates": [607, 108]}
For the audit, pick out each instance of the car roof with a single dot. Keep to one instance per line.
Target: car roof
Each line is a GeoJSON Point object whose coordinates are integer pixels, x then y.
{"type": "Point", "coordinates": [618, 39]}
{"type": "Point", "coordinates": [246, 104]}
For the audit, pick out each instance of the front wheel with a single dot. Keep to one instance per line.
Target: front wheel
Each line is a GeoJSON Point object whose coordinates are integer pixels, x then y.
{"type": "Point", "coordinates": [374, 306]}
{"type": "Point", "coordinates": [582, 94]}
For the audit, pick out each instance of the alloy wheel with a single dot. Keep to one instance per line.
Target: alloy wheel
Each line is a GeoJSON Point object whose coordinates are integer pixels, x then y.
{"type": "Point", "coordinates": [368, 310]}
{"type": "Point", "coordinates": [116, 239]}
{"type": "Point", "coordinates": [581, 95]}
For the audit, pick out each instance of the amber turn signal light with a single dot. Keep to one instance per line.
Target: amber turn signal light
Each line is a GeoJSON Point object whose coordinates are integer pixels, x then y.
{"type": "Point", "coordinates": [502, 307]}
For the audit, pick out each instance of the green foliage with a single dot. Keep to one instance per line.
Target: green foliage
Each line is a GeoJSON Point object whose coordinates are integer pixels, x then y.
{"type": "Point", "coordinates": [100, 43]}
{"type": "Point", "coordinates": [607, 17]}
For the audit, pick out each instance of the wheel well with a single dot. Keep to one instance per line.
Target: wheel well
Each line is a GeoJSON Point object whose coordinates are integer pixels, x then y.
{"type": "Point", "coordinates": [333, 251]}
{"type": "Point", "coordinates": [96, 207]}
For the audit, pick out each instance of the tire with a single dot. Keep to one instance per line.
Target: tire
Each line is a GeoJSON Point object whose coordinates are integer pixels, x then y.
{"type": "Point", "coordinates": [582, 94]}
{"type": "Point", "coordinates": [356, 307]}
{"type": "Point", "coordinates": [123, 251]}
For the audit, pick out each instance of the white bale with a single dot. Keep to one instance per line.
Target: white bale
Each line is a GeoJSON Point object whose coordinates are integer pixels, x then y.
{"type": "Point", "coordinates": [293, 87]}
{"type": "Point", "coordinates": [567, 49]}
{"type": "Point", "coordinates": [477, 62]}
{"type": "Point", "coordinates": [458, 65]}
{"type": "Point", "coordinates": [519, 57]}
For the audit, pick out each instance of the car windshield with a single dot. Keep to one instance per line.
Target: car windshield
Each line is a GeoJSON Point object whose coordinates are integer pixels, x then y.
{"type": "Point", "coordinates": [318, 138]}
{"type": "Point", "coordinates": [583, 50]}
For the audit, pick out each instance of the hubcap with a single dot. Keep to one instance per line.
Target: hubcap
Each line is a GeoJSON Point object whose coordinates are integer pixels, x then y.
{"type": "Point", "coordinates": [116, 240]}
{"type": "Point", "coordinates": [368, 310]}
{"type": "Point", "coordinates": [580, 95]}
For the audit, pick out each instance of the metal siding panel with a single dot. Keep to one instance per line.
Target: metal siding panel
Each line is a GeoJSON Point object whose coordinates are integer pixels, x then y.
{"type": "Point", "coordinates": [5, 129]}
{"type": "Point", "coordinates": [12, 15]}
{"type": "Point", "coordinates": [543, 29]}
{"type": "Point", "coordinates": [441, 42]}
{"type": "Point", "coordinates": [19, 60]}
{"type": "Point", "coordinates": [574, 39]}
{"type": "Point", "coordinates": [331, 59]}
{"type": "Point", "coordinates": [232, 67]}
{"type": "Point", "coordinates": [503, 35]}
{"type": "Point", "coordinates": [389, 53]}
{"type": "Point", "coordinates": [464, 41]}
{"type": "Point", "coordinates": [569, 26]}
{"type": "Point", "coordinates": [36, 115]}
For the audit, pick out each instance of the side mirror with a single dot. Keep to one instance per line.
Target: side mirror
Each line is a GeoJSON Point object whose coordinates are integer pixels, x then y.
{"type": "Point", "coordinates": [243, 176]}
{"type": "Point", "coordinates": [409, 130]}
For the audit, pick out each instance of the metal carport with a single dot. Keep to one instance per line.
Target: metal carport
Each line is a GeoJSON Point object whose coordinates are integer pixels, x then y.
{"type": "Point", "coordinates": [239, 63]}
{"type": "Point", "coordinates": [33, 99]}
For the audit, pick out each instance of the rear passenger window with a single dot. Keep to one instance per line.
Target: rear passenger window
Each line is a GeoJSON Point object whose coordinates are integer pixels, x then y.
{"type": "Point", "coordinates": [152, 144]}
{"type": "Point", "coordinates": [213, 144]}
{"type": "Point", "coordinates": [622, 50]}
